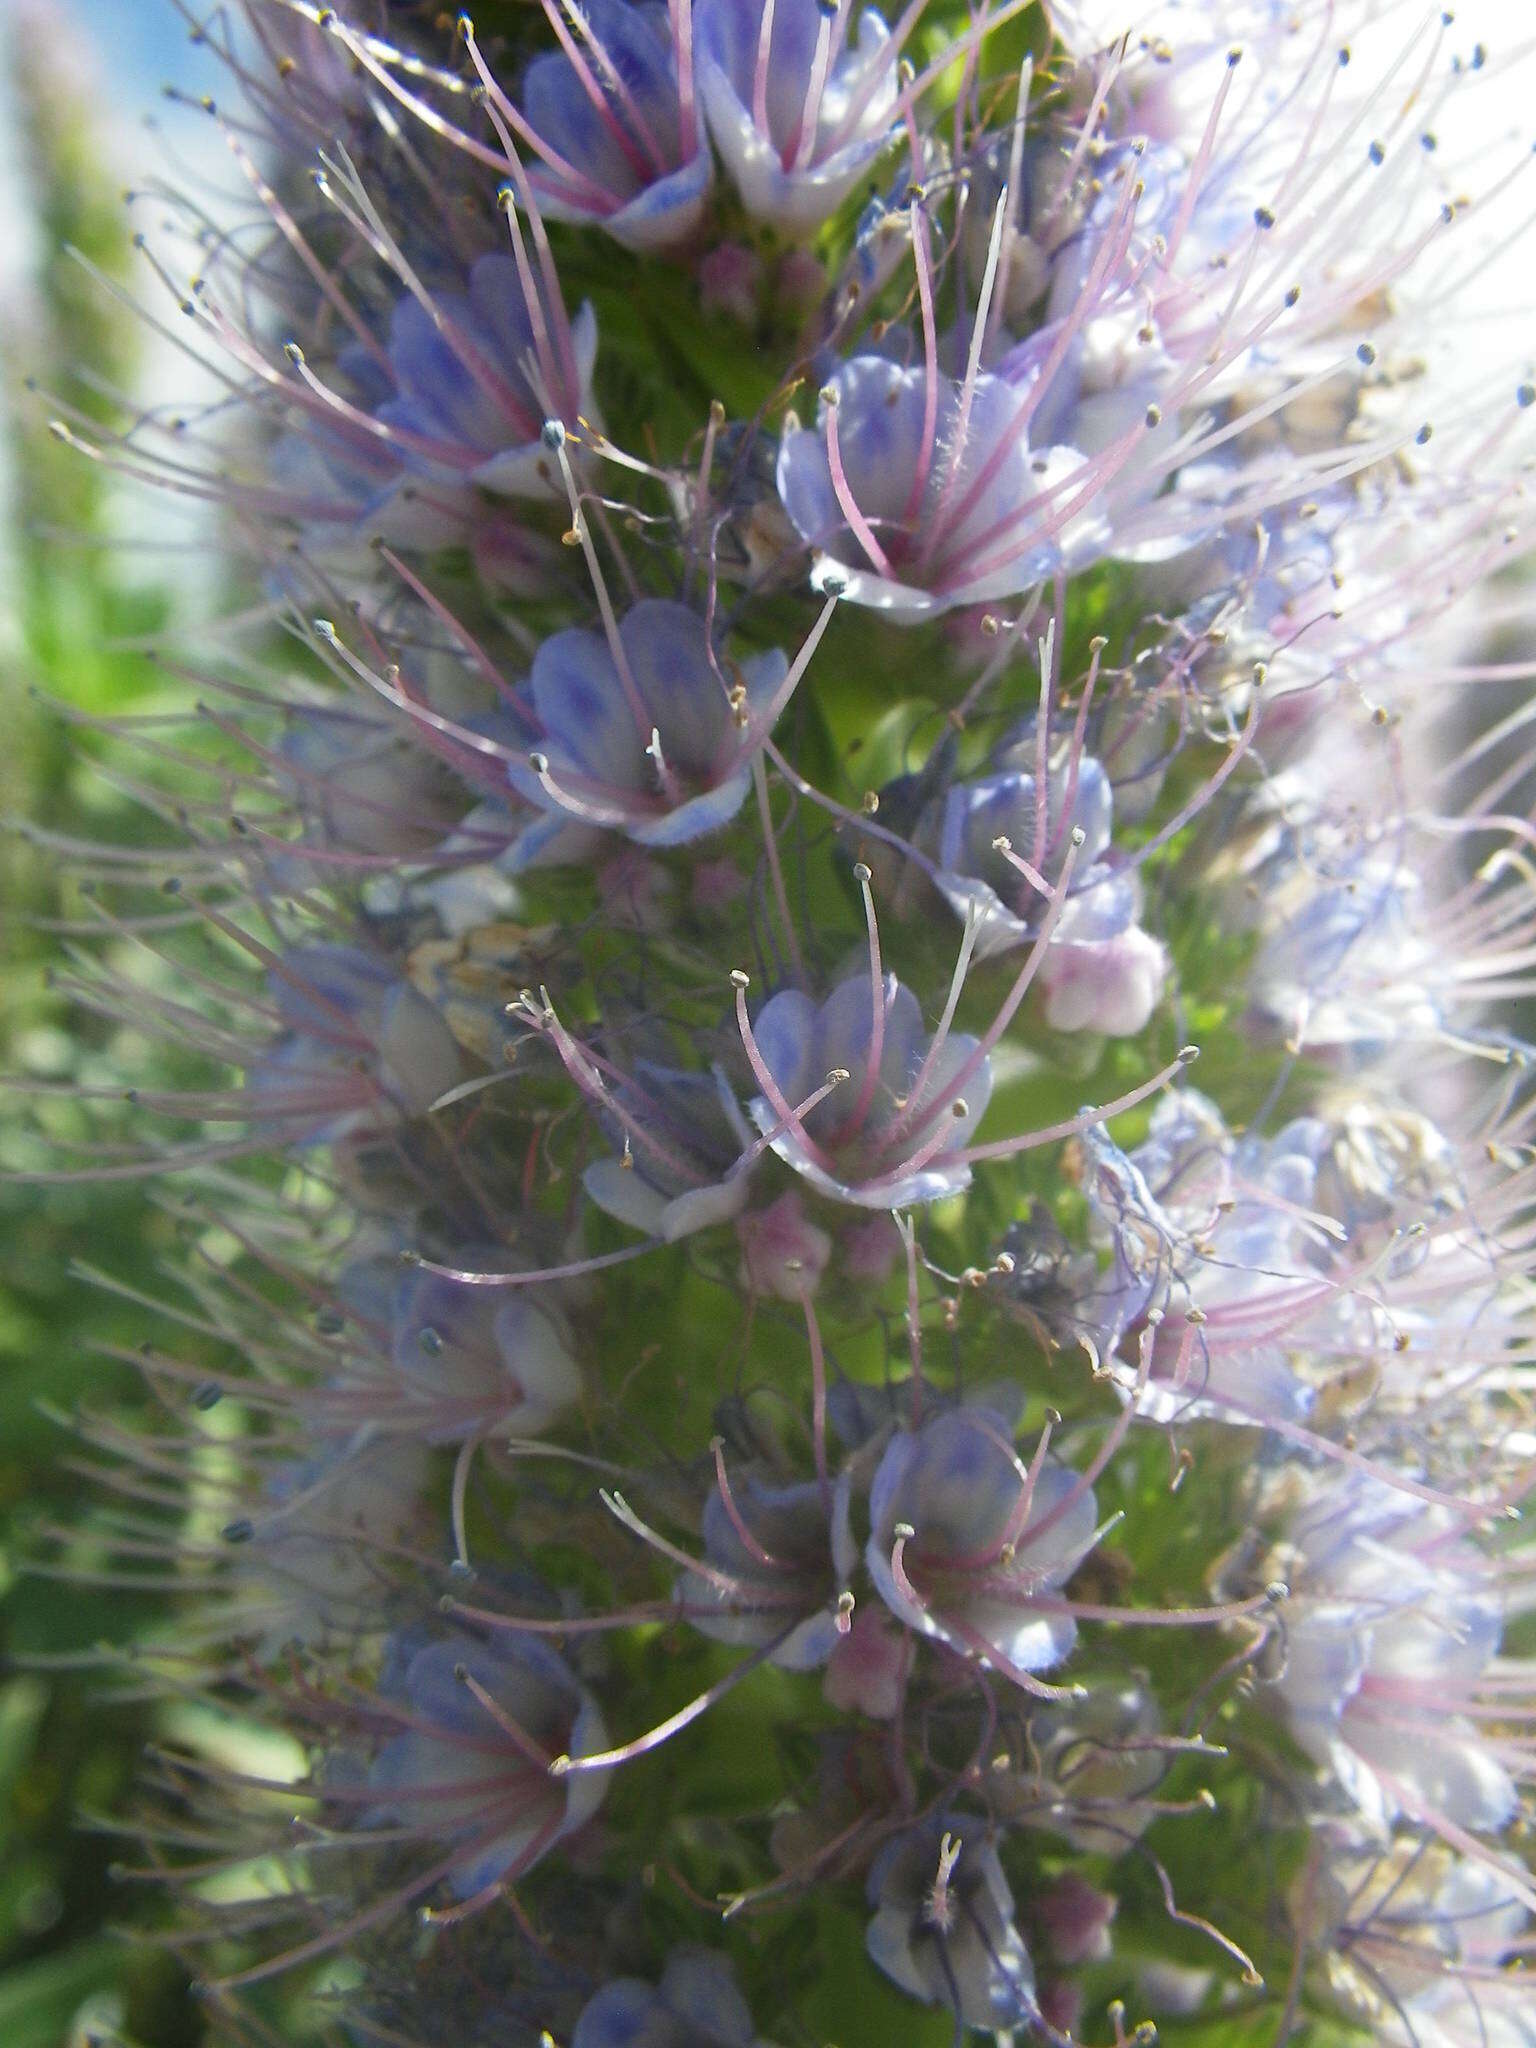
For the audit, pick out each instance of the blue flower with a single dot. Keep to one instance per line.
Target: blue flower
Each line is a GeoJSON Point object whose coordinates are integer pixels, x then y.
{"type": "Point", "coordinates": [890, 1134]}
{"type": "Point", "coordinates": [988, 1542]}
{"type": "Point", "coordinates": [800, 123]}
{"type": "Point", "coordinates": [961, 515]}
{"type": "Point", "coordinates": [1392, 1678]}
{"type": "Point", "coordinates": [468, 1358]}
{"type": "Point", "coordinates": [683, 1144]}
{"type": "Point", "coordinates": [1228, 1283]}
{"type": "Point", "coordinates": [623, 144]}
{"type": "Point", "coordinates": [457, 1776]}
{"type": "Point", "coordinates": [1003, 804]}
{"type": "Point", "coordinates": [1101, 972]}
{"type": "Point", "coordinates": [445, 404]}
{"type": "Point", "coordinates": [360, 786]}
{"type": "Point", "coordinates": [645, 734]}
{"type": "Point", "coordinates": [307, 1563]}
{"type": "Point", "coordinates": [465, 406]}
{"type": "Point", "coordinates": [943, 1926]}
{"type": "Point", "coordinates": [360, 1048]}
{"type": "Point", "coordinates": [696, 2005]}
{"type": "Point", "coordinates": [794, 1559]}
{"type": "Point", "coordinates": [1090, 1771]}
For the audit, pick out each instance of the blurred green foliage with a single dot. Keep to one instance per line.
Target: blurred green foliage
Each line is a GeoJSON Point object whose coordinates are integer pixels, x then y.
{"type": "Point", "coordinates": [69, 618]}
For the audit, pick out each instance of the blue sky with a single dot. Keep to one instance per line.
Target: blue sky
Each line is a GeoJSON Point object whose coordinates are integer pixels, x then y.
{"type": "Point", "coordinates": [139, 43]}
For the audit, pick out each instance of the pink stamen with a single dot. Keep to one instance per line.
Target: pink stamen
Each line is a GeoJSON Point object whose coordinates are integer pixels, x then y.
{"type": "Point", "coordinates": [1014, 184]}
{"type": "Point", "coordinates": [749, 1541]}
{"type": "Point", "coordinates": [1096, 648]}
{"type": "Point", "coordinates": [533, 1752]}
{"type": "Point", "coordinates": [574, 1059]}
{"type": "Point", "coordinates": [607, 815]}
{"type": "Point", "coordinates": [1018, 1515]}
{"type": "Point", "coordinates": [458, 1498]}
{"type": "Point", "coordinates": [593, 195]}
{"type": "Point", "coordinates": [765, 1140]}
{"type": "Point", "coordinates": [858, 525]}
{"type": "Point", "coordinates": [564, 1624]}
{"type": "Point", "coordinates": [564, 1766]}
{"type": "Point", "coordinates": [496, 100]}
{"type": "Point", "coordinates": [921, 1113]}
{"type": "Point", "coordinates": [762, 722]}
{"type": "Point", "coordinates": [1200, 164]}
{"type": "Point", "coordinates": [750, 1597]}
{"type": "Point", "coordinates": [760, 73]}
{"type": "Point", "coordinates": [576, 1269]}
{"type": "Point", "coordinates": [873, 79]}
{"type": "Point", "coordinates": [1116, 242]}
{"type": "Point", "coordinates": [922, 261]}
{"type": "Point", "coordinates": [1042, 820]}
{"type": "Point", "coordinates": [854, 1122]}
{"type": "Point", "coordinates": [765, 1080]}
{"type": "Point", "coordinates": [638, 708]}
{"type": "Point", "coordinates": [645, 157]}
{"type": "Point", "coordinates": [800, 147]}
{"type": "Point", "coordinates": [1005, 1148]}
{"type": "Point", "coordinates": [936, 525]}
{"type": "Point", "coordinates": [983, 1647]}
{"type": "Point", "coordinates": [904, 1533]}
{"type": "Point", "coordinates": [681, 14]}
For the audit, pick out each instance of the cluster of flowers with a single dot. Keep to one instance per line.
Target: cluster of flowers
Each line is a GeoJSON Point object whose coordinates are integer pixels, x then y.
{"type": "Point", "coordinates": [821, 592]}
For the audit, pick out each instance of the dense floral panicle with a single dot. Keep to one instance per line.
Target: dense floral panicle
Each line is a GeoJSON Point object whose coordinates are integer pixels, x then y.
{"type": "Point", "coordinates": [1053, 494]}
